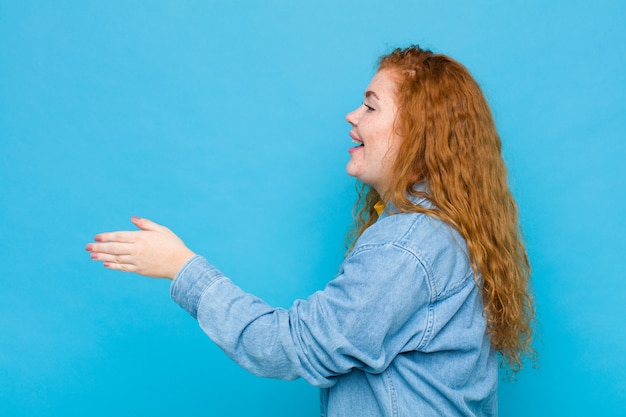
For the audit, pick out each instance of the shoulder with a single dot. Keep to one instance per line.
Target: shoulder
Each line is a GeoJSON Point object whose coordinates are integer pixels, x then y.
{"type": "Point", "coordinates": [436, 245]}
{"type": "Point", "coordinates": [415, 232]}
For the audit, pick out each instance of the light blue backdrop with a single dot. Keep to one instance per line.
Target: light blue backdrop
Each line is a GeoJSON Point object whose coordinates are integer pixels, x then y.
{"type": "Point", "coordinates": [225, 121]}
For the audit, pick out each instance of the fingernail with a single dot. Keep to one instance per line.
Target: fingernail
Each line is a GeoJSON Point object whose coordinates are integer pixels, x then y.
{"type": "Point", "coordinates": [89, 247]}
{"type": "Point", "coordinates": [97, 238]}
{"type": "Point", "coordinates": [94, 256]}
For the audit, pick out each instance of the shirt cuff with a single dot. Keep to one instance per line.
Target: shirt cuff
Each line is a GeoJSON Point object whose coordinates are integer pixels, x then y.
{"type": "Point", "coordinates": [191, 282]}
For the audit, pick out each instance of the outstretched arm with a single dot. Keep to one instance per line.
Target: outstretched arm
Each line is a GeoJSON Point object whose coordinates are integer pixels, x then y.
{"type": "Point", "coordinates": [153, 251]}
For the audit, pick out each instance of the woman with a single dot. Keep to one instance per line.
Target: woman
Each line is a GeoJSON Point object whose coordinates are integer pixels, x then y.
{"type": "Point", "coordinates": [436, 281]}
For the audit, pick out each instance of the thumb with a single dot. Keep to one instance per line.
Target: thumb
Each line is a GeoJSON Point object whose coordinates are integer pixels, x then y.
{"type": "Point", "coordinates": [145, 224]}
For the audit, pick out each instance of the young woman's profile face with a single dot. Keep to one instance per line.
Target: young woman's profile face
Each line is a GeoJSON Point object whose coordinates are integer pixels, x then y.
{"type": "Point", "coordinates": [373, 132]}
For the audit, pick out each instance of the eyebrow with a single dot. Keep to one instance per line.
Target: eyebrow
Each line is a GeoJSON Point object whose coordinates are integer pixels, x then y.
{"type": "Point", "coordinates": [371, 93]}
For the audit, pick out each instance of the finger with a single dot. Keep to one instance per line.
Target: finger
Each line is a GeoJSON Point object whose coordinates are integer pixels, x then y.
{"type": "Point", "coordinates": [119, 236]}
{"type": "Point", "coordinates": [145, 224]}
{"type": "Point", "coordinates": [120, 266]}
{"type": "Point", "coordinates": [118, 259]}
{"type": "Point", "coordinates": [111, 248]}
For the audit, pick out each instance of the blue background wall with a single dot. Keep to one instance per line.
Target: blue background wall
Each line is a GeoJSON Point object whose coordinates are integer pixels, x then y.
{"type": "Point", "coordinates": [224, 121]}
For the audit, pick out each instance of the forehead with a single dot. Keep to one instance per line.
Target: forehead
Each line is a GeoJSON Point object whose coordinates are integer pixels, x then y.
{"type": "Point", "coordinates": [383, 85]}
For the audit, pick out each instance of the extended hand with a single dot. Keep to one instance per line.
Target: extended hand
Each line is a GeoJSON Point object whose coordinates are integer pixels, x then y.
{"type": "Point", "coordinates": [153, 251]}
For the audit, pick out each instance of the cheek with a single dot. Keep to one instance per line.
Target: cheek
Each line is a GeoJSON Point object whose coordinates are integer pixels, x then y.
{"type": "Point", "coordinates": [394, 146]}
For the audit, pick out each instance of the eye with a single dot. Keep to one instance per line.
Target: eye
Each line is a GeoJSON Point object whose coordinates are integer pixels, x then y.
{"type": "Point", "coordinates": [368, 107]}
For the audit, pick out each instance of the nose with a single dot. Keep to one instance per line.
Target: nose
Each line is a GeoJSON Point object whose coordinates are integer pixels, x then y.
{"type": "Point", "coordinates": [352, 117]}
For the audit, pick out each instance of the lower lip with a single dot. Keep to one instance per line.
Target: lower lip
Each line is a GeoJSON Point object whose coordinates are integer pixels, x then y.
{"type": "Point", "coordinates": [354, 149]}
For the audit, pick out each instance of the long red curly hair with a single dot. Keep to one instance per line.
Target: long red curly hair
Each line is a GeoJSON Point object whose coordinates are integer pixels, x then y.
{"type": "Point", "coordinates": [450, 141]}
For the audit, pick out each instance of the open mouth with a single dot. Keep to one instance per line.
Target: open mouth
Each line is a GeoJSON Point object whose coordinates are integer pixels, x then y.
{"type": "Point", "coordinates": [358, 146]}
{"type": "Point", "coordinates": [359, 143]}
{"type": "Point", "coordinates": [355, 139]}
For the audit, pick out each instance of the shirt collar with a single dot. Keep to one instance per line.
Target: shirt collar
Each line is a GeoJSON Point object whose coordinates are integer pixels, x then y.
{"type": "Point", "coordinates": [384, 210]}
{"type": "Point", "coordinates": [379, 207]}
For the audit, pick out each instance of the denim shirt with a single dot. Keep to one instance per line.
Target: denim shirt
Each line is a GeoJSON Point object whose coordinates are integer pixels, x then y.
{"type": "Point", "coordinates": [399, 332]}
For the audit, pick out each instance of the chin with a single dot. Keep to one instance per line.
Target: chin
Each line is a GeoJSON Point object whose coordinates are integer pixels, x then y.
{"type": "Point", "coordinates": [351, 171]}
